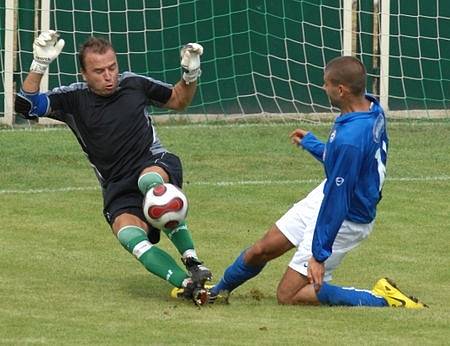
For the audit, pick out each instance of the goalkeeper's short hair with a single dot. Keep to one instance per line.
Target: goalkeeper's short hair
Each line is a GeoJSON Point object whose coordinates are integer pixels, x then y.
{"type": "Point", "coordinates": [94, 44]}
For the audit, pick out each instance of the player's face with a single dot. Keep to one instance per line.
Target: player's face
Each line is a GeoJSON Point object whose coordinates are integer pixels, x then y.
{"type": "Point", "coordinates": [101, 72]}
{"type": "Point", "coordinates": [334, 92]}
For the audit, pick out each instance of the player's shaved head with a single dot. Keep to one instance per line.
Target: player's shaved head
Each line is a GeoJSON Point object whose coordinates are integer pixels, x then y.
{"type": "Point", "coordinates": [348, 71]}
{"type": "Point", "coordinates": [96, 45]}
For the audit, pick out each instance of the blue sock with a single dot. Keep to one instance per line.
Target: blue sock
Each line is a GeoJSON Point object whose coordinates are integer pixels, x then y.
{"type": "Point", "coordinates": [348, 296]}
{"type": "Point", "coordinates": [235, 275]}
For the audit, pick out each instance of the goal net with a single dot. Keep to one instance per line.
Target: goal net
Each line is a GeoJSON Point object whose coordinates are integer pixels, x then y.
{"type": "Point", "coordinates": [262, 58]}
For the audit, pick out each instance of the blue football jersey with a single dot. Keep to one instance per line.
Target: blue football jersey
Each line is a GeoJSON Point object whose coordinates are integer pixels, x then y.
{"type": "Point", "coordinates": [354, 158]}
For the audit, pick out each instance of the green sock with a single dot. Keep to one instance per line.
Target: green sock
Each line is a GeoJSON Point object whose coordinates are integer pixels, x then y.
{"type": "Point", "coordinates": [155, 260]}
{"type": "Point", "coordinates": [148, 180]}
{"type": "Point", "coordinates": [180, 237]}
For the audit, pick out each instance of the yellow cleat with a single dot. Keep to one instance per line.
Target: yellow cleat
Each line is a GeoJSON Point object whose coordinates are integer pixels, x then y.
{"type": "Point", "coordinates": [387, 289]}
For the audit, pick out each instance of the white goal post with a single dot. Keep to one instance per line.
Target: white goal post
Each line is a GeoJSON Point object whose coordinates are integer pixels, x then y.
{"type": "Point", "coordinates": [8, 62]}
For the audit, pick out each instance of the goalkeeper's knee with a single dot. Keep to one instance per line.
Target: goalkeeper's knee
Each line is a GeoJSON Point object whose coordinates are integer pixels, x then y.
{"type": "Point", "coordinates": [148, 180]}
{"type": "Point", "coordinates": [134, 239]}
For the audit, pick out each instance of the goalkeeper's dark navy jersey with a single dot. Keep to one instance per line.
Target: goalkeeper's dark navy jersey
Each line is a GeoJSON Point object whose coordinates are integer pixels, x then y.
{"type": "Point", "coordinates": [354, 158]}
{"type": "Point", "coordinates": [115, 131]}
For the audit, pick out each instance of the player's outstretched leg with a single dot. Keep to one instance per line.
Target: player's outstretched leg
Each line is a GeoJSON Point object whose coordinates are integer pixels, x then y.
{"type": "Point", "coordinates": [387, 289]}
{"type": "Point", "coordinates": [235, 275]}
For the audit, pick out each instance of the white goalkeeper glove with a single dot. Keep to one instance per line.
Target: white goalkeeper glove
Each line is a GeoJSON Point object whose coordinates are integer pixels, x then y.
{"type": "Point", "coordinates": [190, 61]}
{"type": "Point", "coordinates": [46, 48]}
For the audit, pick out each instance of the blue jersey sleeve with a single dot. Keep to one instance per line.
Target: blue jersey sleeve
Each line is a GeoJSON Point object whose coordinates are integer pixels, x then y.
{"type": "Point", "coordinates": [314, 146]}
{"type": "Point", "coordinates": [338, 191]}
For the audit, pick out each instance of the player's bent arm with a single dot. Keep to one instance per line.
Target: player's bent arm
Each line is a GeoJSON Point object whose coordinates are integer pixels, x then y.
{"type": "Point", "coordinates": [182, 95]}
{"type": "Point", "coordinates": [314, 146]}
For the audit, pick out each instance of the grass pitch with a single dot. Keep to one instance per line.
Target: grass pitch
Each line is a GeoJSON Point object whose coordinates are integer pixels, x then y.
{"type": "Point", "coordinates": [64, 279]}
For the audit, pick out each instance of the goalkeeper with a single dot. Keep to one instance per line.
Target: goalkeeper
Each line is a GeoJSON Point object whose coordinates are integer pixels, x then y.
{"type": "Point", "coordinates": [338, 214]}
{"type": "Point", "coordinates": [108, 114]}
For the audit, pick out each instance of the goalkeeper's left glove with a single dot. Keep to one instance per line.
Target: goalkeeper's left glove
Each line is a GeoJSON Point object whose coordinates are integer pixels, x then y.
{"type": "Point", "coordinates": [190, 62]}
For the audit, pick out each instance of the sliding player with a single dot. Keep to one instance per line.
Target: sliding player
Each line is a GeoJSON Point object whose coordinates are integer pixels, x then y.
{"type": "Point", "coordinates": [339, 213]}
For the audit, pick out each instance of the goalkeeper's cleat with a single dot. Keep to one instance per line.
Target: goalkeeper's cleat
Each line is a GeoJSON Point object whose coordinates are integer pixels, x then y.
{"type": "Point", "coordinates": [198, 272]}
{"type": "Point", "coordinates": [192, 291]}
{"type": "Point", "coordinates": [222, 297]}
{"type": "Point", "coordinates": [387, 289]}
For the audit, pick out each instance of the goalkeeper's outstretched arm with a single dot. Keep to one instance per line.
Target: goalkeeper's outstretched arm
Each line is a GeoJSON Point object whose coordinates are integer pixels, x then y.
{"type": "Point", "coordinates": [184, 91]}
{"type": "Point", "coordinates": [29, 102]}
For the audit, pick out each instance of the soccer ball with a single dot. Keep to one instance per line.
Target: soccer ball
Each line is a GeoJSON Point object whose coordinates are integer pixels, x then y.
{"type": "Point", "coordinates": [165, 206]}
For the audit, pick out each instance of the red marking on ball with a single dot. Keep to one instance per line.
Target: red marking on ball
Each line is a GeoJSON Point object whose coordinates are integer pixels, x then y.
{"type": "Point", "coordinates": [159, 190]}
{"type": "Point", "coordinates": [156, 211]}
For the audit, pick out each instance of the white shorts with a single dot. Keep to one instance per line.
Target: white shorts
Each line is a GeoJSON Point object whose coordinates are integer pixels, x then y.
{"type": "Point", "coordinates": [298, 226]}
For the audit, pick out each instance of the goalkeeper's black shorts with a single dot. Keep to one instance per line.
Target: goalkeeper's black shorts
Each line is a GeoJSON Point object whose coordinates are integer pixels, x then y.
{"type": "Point", "coordinates": [124, 196]}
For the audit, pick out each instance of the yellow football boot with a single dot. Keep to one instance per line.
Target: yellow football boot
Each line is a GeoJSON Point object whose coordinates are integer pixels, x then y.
{"type": "Point", "coordinates": [387, 289]}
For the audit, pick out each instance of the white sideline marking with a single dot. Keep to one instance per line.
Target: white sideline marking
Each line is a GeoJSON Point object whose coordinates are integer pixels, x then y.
{"type": "Point", "coordinates": [224, 183]}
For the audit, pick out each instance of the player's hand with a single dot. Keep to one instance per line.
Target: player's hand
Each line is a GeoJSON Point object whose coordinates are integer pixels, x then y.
{"type": "Point", "coordinates": [316, 271]}
{"type": "Point", "coordinates": [46, 48]}
{"type": "Point", "coordinates": [297, 136]}
{"type": "Point", "coordinates": [190, 61]}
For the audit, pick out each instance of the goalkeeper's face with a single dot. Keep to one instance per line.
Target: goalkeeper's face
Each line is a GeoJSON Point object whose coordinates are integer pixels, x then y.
{"type": "Point", "coordinates": [101, 72]}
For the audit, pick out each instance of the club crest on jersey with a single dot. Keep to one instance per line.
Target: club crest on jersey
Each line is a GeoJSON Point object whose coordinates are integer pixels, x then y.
{"type": "Point", "coordinates": [339, 181]}
{"type": "Point", "coordinates": [332, 136]}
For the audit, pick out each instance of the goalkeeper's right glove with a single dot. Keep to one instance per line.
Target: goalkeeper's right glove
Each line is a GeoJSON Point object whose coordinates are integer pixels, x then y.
{"type": "Point", "coordinates": [46, 48]}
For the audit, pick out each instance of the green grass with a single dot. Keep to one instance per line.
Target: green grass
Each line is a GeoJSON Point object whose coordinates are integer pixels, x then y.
{"type": "Point", "coordinates": [64, 279]}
